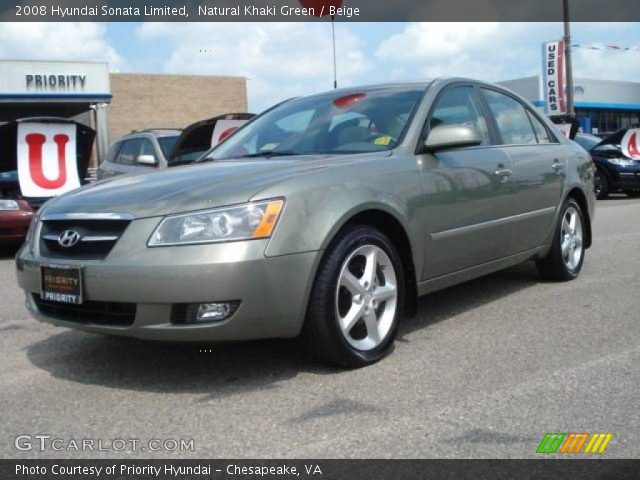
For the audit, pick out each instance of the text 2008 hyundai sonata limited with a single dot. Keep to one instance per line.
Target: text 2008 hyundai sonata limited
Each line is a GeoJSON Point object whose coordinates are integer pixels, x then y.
{"type": "Point", "coordinates": [326, 215]}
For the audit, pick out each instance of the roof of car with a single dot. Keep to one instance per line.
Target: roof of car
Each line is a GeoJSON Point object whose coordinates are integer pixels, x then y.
{"type": "Point", "coordinates": [158, 132]}
{"type": "Point", "coordinates": [420, 84]}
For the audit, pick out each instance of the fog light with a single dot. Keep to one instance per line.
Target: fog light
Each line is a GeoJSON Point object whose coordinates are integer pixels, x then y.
{"type": "Point", "coordinates": [213, 311]}
{"type": "Point", "coordinates": [190, 313]}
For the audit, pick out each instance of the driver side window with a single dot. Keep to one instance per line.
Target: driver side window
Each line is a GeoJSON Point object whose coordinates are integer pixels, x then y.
{"type": "Point", "coordinates": [459, 106]}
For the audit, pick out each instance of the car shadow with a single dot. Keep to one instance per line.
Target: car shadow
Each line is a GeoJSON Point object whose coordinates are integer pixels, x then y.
{"type": "Point", "coordinates": [452, 301]}
{"type": "Point", "coordinates": [228, 369]}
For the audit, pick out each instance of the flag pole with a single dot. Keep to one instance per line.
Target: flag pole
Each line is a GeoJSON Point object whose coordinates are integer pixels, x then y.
{"type": "Point", "coordinates": [335, 63]}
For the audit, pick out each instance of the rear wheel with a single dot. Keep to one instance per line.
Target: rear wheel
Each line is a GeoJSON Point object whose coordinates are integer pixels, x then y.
{"type": "Point", "coordinates": [564, 260]}
{"type": "Point", "coordinates": [600, 185]}
{"type": "Point", "coordinates": [357, 299]}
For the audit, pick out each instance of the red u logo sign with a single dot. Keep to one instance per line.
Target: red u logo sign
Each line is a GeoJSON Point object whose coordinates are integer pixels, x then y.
{"type": "Point", "coordinates": [35, 141]}
{"type": "Point", "coordinates": [633, 146]}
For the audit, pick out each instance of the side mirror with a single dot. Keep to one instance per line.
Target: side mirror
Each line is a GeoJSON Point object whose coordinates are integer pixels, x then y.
{"type": "Point", "coordinates": [147, 160]}
{"type": "Point", "coordinates": [449, 136]}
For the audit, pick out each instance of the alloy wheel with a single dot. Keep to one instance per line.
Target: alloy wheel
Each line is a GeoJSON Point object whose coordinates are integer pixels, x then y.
{"type": "Point", "coordinates": [571, 238]}
{"type": "Point", "coordinates": [366, 297]}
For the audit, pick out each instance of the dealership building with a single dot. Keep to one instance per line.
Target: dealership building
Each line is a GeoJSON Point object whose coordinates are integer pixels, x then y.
{"type": "Point", "coordinates": [602, 106]}
{"type": "Point", "coordinates": [114, 104]}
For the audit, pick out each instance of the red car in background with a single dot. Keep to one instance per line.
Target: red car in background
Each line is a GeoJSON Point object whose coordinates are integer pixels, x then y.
{"type": "Point", "coordinates": [15, 213]}
{"type": "Point", "coordinates": [16, 210]}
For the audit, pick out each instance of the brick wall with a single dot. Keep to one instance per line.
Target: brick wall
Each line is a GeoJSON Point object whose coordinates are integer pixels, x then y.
{"type": "Point", "coordinates": [171, 101]}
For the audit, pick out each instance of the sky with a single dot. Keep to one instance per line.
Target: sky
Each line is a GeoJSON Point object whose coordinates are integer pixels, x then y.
{"type": "Point", "coordinates": [282, 60]}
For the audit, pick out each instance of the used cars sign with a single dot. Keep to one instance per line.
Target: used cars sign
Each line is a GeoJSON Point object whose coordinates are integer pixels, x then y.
{"type": "Point", "coordinates": [553, 78]}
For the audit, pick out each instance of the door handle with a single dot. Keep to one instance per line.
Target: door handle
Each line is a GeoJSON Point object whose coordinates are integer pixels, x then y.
{"type": "Point", "coordinates": [556, 165]}
{"type": "Point", "coordinates": [503, 172]}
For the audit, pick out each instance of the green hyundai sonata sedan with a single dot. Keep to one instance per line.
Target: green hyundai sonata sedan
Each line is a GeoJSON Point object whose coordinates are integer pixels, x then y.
{"type": "Point", "coordinates": [326, 217]}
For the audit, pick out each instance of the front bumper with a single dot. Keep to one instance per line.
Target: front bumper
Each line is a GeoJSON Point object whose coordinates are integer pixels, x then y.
{"type": "Point", "coordinates": [625, 178]}
{"type": "Point", "coordinates": [629, 180]}
{"type": "Point", "coordinates": [273, 291]}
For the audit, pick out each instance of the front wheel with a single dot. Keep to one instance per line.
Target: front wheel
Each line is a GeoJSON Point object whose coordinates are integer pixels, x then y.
{"type": "Point", "coordinates": [564, 260]}
{"type": "Point", "coordinates": [357, 299]}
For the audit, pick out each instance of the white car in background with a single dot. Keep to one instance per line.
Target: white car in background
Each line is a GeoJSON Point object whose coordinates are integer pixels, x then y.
{"type": "Point", "coordinates": [139, 151]}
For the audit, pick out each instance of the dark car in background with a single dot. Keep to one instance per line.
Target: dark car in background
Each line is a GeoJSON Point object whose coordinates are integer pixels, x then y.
{"type": "Point", "coordinates": [17, 210]}
{"type": "Point", "coordinates": [614, 171]}
{"type": "Point", "coordinates": [159, 148]}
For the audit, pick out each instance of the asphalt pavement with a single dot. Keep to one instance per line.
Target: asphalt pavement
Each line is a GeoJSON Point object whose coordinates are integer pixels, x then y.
{"type": "Point", "coordinates": [485, 369]}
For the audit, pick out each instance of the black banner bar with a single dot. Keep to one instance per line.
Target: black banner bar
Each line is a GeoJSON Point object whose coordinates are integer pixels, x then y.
{"type": "Point", "coordinates": [318, 469]}
{"type": "Point", "coordinates": [309, 10]}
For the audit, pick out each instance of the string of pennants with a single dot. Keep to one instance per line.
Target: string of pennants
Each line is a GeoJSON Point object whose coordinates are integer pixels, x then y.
{"type": "Point", "coordinates": [612, 48]}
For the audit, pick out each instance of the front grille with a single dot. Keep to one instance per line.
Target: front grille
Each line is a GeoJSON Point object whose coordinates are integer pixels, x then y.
{"type": "Point", "coordinates": [90, 313]}
{"type": "Point", "coordinates": [97, 238]}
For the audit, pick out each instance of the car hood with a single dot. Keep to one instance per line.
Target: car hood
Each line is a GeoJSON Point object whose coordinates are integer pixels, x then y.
{"type": "Point", "coordinates": [194, 187]}
{"type": "Point", "coordinates": [615, 138]}
{"type": "Point", "coordinates": [197, 137]}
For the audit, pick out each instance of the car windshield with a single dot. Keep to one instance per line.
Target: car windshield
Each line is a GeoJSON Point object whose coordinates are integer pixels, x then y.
{"type": "Point", "coordinates": [167, 144]}
{"type": "Point", "coordinates": [185, 158]}
{"type": "Point", "coordinates": [368, 120]}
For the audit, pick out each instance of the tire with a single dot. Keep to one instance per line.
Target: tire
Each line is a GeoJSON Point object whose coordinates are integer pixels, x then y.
{"type": "Point", "coordinates": [351, 321]}
{"type": "Point", "coordinates": [563, 264]}
{"type": "Point", "coordinates": [601, 185]}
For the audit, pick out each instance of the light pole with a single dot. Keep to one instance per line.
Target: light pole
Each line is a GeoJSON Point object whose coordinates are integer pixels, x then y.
{"type": "Point", "coordinates": [335, 62]}
{"type": "Point", "coordinates": [567, 58]}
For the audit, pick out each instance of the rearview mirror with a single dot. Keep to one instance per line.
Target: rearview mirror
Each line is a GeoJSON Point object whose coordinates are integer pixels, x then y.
{"type": "Point", "coordinates": [147, 160]}
{"type": "Point", "coordinates": [449, 136]}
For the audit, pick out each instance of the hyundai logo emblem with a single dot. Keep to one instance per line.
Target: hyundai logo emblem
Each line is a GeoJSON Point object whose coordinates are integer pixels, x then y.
{"type": "Point", "coordinates": [68, 238]}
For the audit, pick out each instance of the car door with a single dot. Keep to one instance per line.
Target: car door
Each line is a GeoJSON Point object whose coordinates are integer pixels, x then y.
{"type": "Point", "coordinates": [126, 159]}
{"type": "Point", "coordinates": [468, 191]}
{"type": "Point", "coordinates": [108, 167]}
{"type": "Point", "coordinates": [150, 148]}
{"type": "Point", "coordinates": [538, 163]}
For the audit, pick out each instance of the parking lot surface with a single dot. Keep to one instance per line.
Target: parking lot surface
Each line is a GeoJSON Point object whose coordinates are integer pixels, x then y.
{"type": "Point", "coordinates": [485, 369]}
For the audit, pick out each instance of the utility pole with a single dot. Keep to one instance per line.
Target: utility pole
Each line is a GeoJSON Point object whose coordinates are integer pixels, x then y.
{"type": "Point", "coordinates": [567, 58]}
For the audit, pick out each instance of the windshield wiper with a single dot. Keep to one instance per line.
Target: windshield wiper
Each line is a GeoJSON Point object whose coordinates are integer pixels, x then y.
{"type": "Point", "coordinates": [283, 153]}
{"type": "Point", "coordinates": [255, 155]}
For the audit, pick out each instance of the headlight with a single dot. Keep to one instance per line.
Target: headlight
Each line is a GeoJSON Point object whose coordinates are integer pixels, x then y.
{"type": "Point", "coordinates": [242, 222]}
{"type": "Point", "coordinates": [622, 162]}
{"type": "Point", "coordinates": [9, 205]}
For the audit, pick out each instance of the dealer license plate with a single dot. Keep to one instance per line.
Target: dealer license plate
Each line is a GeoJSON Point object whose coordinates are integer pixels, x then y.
{"type": "Point", "coordinates": [61, 283]}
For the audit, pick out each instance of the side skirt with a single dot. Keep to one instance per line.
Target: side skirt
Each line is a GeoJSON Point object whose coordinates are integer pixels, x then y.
{"type": "Point", "coordinates": [467, 274]}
